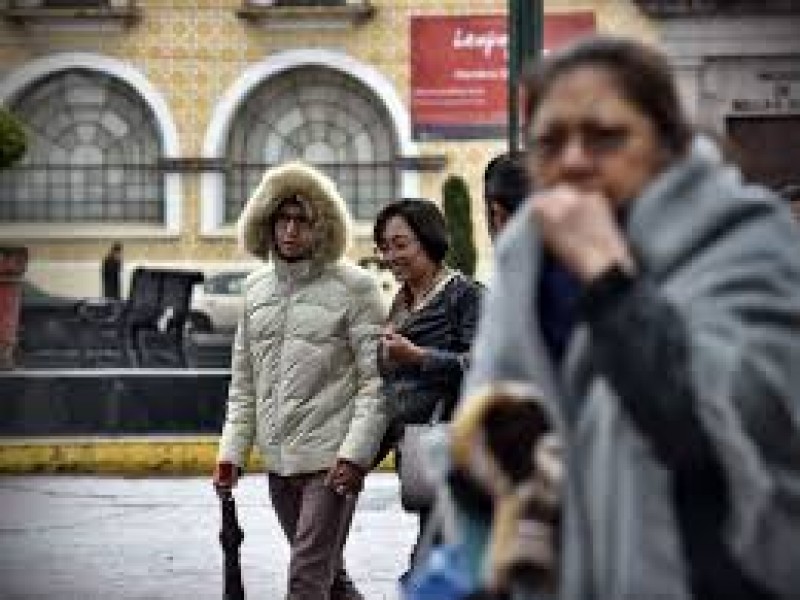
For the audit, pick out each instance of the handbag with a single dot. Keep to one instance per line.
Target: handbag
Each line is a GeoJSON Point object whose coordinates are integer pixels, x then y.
{"type": "Point", "coordinates": [423, 462]}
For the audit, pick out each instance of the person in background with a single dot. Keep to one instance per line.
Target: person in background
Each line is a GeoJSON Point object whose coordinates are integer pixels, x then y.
{"type": "Point", "coordinates": [111, 272]}
{"type": "Point", "coordinates": [305, 379]}
{"type": "Point", "coordinates": [791, 193]}
{"type": "Point", "coordinates": [426, 343]}
{"type": "Point", "coordinates": [673, 375]}
{"type": "Point", "coordinates": [506, 185]}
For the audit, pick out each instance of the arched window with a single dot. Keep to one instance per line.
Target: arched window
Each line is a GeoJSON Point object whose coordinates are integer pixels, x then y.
{"type": "Point", "coordinates": [325, 118]}
{"type": "Point", "coordinates": [93, 154]}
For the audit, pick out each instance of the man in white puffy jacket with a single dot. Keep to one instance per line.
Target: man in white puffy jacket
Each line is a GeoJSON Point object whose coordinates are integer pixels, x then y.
{"type": "Point", "coordinates": [304, 374]}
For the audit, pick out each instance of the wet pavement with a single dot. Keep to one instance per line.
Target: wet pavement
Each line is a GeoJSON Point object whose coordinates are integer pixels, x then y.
{"type": "Point", "coordinates": [71, 537]}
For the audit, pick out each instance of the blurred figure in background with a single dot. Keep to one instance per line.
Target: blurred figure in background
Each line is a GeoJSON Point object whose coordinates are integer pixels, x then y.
{"type": "Point", "coordinates": [506, 185]}
{"type": "Point", "coordinates": [791, 193]}
{"type": "Point", "coordinates": [670, 366]}
{"type": "Point", "coordinates": [426, 343]}
{"type": "Point", "coordinates": [111, 272]}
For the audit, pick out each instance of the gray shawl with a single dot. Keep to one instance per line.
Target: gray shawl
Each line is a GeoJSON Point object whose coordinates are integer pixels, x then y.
{"type": "Point", "coordinates": [727, 256]}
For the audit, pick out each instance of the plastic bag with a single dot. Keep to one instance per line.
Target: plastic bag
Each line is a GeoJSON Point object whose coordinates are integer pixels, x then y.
{"type": "Point", "coordinates": [444, 575]}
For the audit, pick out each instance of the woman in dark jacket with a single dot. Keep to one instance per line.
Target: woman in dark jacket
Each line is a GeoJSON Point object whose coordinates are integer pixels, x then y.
{"type": "Point", "coordinates": [432, 321]}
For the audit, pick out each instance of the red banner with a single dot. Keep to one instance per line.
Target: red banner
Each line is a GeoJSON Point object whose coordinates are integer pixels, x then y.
{"type": "Point", "coordinates": [459, 71]}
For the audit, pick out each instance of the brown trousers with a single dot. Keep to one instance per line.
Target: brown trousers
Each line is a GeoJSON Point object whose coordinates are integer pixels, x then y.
{"type": "Point", "coordinates": [316, 521]}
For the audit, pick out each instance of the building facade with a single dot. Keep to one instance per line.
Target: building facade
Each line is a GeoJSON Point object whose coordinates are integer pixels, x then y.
{"type": "Point", "coordinates": [152, 120]}
{"type": "Point", "coordinates": [738, 63]}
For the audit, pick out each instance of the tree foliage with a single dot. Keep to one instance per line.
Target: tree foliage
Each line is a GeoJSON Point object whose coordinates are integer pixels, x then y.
{"type": "Point", "coordinates": [458, 215]}
{"type": "Point", "coordinates": [13, 139]}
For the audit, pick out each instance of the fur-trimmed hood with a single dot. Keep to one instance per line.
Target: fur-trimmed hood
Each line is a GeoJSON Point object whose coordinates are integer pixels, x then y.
{"type": "Point", "coordinates": [333, 228]}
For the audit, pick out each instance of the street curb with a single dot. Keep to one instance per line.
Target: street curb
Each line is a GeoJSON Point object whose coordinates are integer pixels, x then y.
{"type": "Point", "coordinates": [125, 455]}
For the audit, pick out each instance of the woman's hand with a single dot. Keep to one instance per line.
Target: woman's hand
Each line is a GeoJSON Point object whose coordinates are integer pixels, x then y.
{"type": "Point", "coordinates": [580, 229]}
{"type": "Point", "coordinates": [345, 478]}
{"type": "Point", "coordinates": [399, 349]}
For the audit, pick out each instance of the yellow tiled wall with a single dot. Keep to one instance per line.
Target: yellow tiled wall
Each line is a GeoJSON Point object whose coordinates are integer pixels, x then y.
{"type": "Point", "coordinates": [194, 50]}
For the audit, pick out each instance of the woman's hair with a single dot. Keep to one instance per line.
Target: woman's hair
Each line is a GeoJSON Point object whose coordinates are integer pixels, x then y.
{"type": "Point", "coordinates": [506, 180]}
{"type": "Point", "coordinates": [642, 74]}
{"type": "Point", "coordinates": [423, 218]}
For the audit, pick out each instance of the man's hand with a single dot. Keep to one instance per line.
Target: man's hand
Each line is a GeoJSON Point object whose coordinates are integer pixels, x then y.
{"type": "Point", "coordinates": [580, 230]}
{"type": "Point", "coordinates": [399, 349]}
{"type": "Point", "coordinates": [345, 478]}
{"type": "Point", "coordinates": [226, 475]}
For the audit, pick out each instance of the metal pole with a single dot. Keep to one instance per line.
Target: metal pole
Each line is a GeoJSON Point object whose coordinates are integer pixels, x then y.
{"type": "Point", "coordinates": [525, 30]}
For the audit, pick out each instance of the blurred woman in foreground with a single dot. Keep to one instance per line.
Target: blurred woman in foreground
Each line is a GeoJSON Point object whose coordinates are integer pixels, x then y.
{"type": "Point", "coordinates": [670, 361]}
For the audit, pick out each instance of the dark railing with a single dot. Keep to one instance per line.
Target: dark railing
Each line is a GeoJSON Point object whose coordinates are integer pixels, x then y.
{"type": "Point", "coordinates": [74, 3]}
{"type": "Point", "coordinates": [294, 11]}
{"type": "Point", "coordinates": [366, 186]}
{"type": "Point", "coordinates": [53, 193]}
{"type": "Point", "coordinates": [69, 4]}
{"type": "Point", "coordinates": [679, 8]}
{"type": "Point", "coordinates": [309, 2]}
{"type": "Point", "coordinates": [22, 11]}
{"type": "Point", "coordinates": [90, 193]}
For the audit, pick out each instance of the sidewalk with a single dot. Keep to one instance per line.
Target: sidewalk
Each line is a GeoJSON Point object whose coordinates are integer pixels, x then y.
{"type": "Point", "coordinates": [86, 538]}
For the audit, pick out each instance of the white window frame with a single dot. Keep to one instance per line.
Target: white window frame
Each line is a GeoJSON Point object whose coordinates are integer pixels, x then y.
{"type": "Point", "coordinates": [35, 70]}
{"type": "Point", "coordinates": [212, 185]}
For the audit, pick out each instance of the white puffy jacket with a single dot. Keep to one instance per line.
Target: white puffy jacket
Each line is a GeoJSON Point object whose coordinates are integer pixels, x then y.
{"type": "Point", "coordinates": [304, 374]}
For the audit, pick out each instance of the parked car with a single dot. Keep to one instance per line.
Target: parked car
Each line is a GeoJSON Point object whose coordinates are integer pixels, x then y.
{"type": "Point", "coordinates": [216, 304]}
{"type": "Point", "coordinates": [33, 295]}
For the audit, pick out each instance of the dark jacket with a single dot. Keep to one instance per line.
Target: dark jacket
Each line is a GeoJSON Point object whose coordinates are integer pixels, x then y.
{"type": "Point", "coordinates": [445, 327]}
{"type": "Point", "coordinates": [112, 268]}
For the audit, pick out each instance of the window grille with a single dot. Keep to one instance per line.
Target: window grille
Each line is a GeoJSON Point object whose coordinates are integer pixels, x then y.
{"type": "Point", "coordinates": [93, 154]}
{"type": "Point", "coordinates": [325, 118]}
